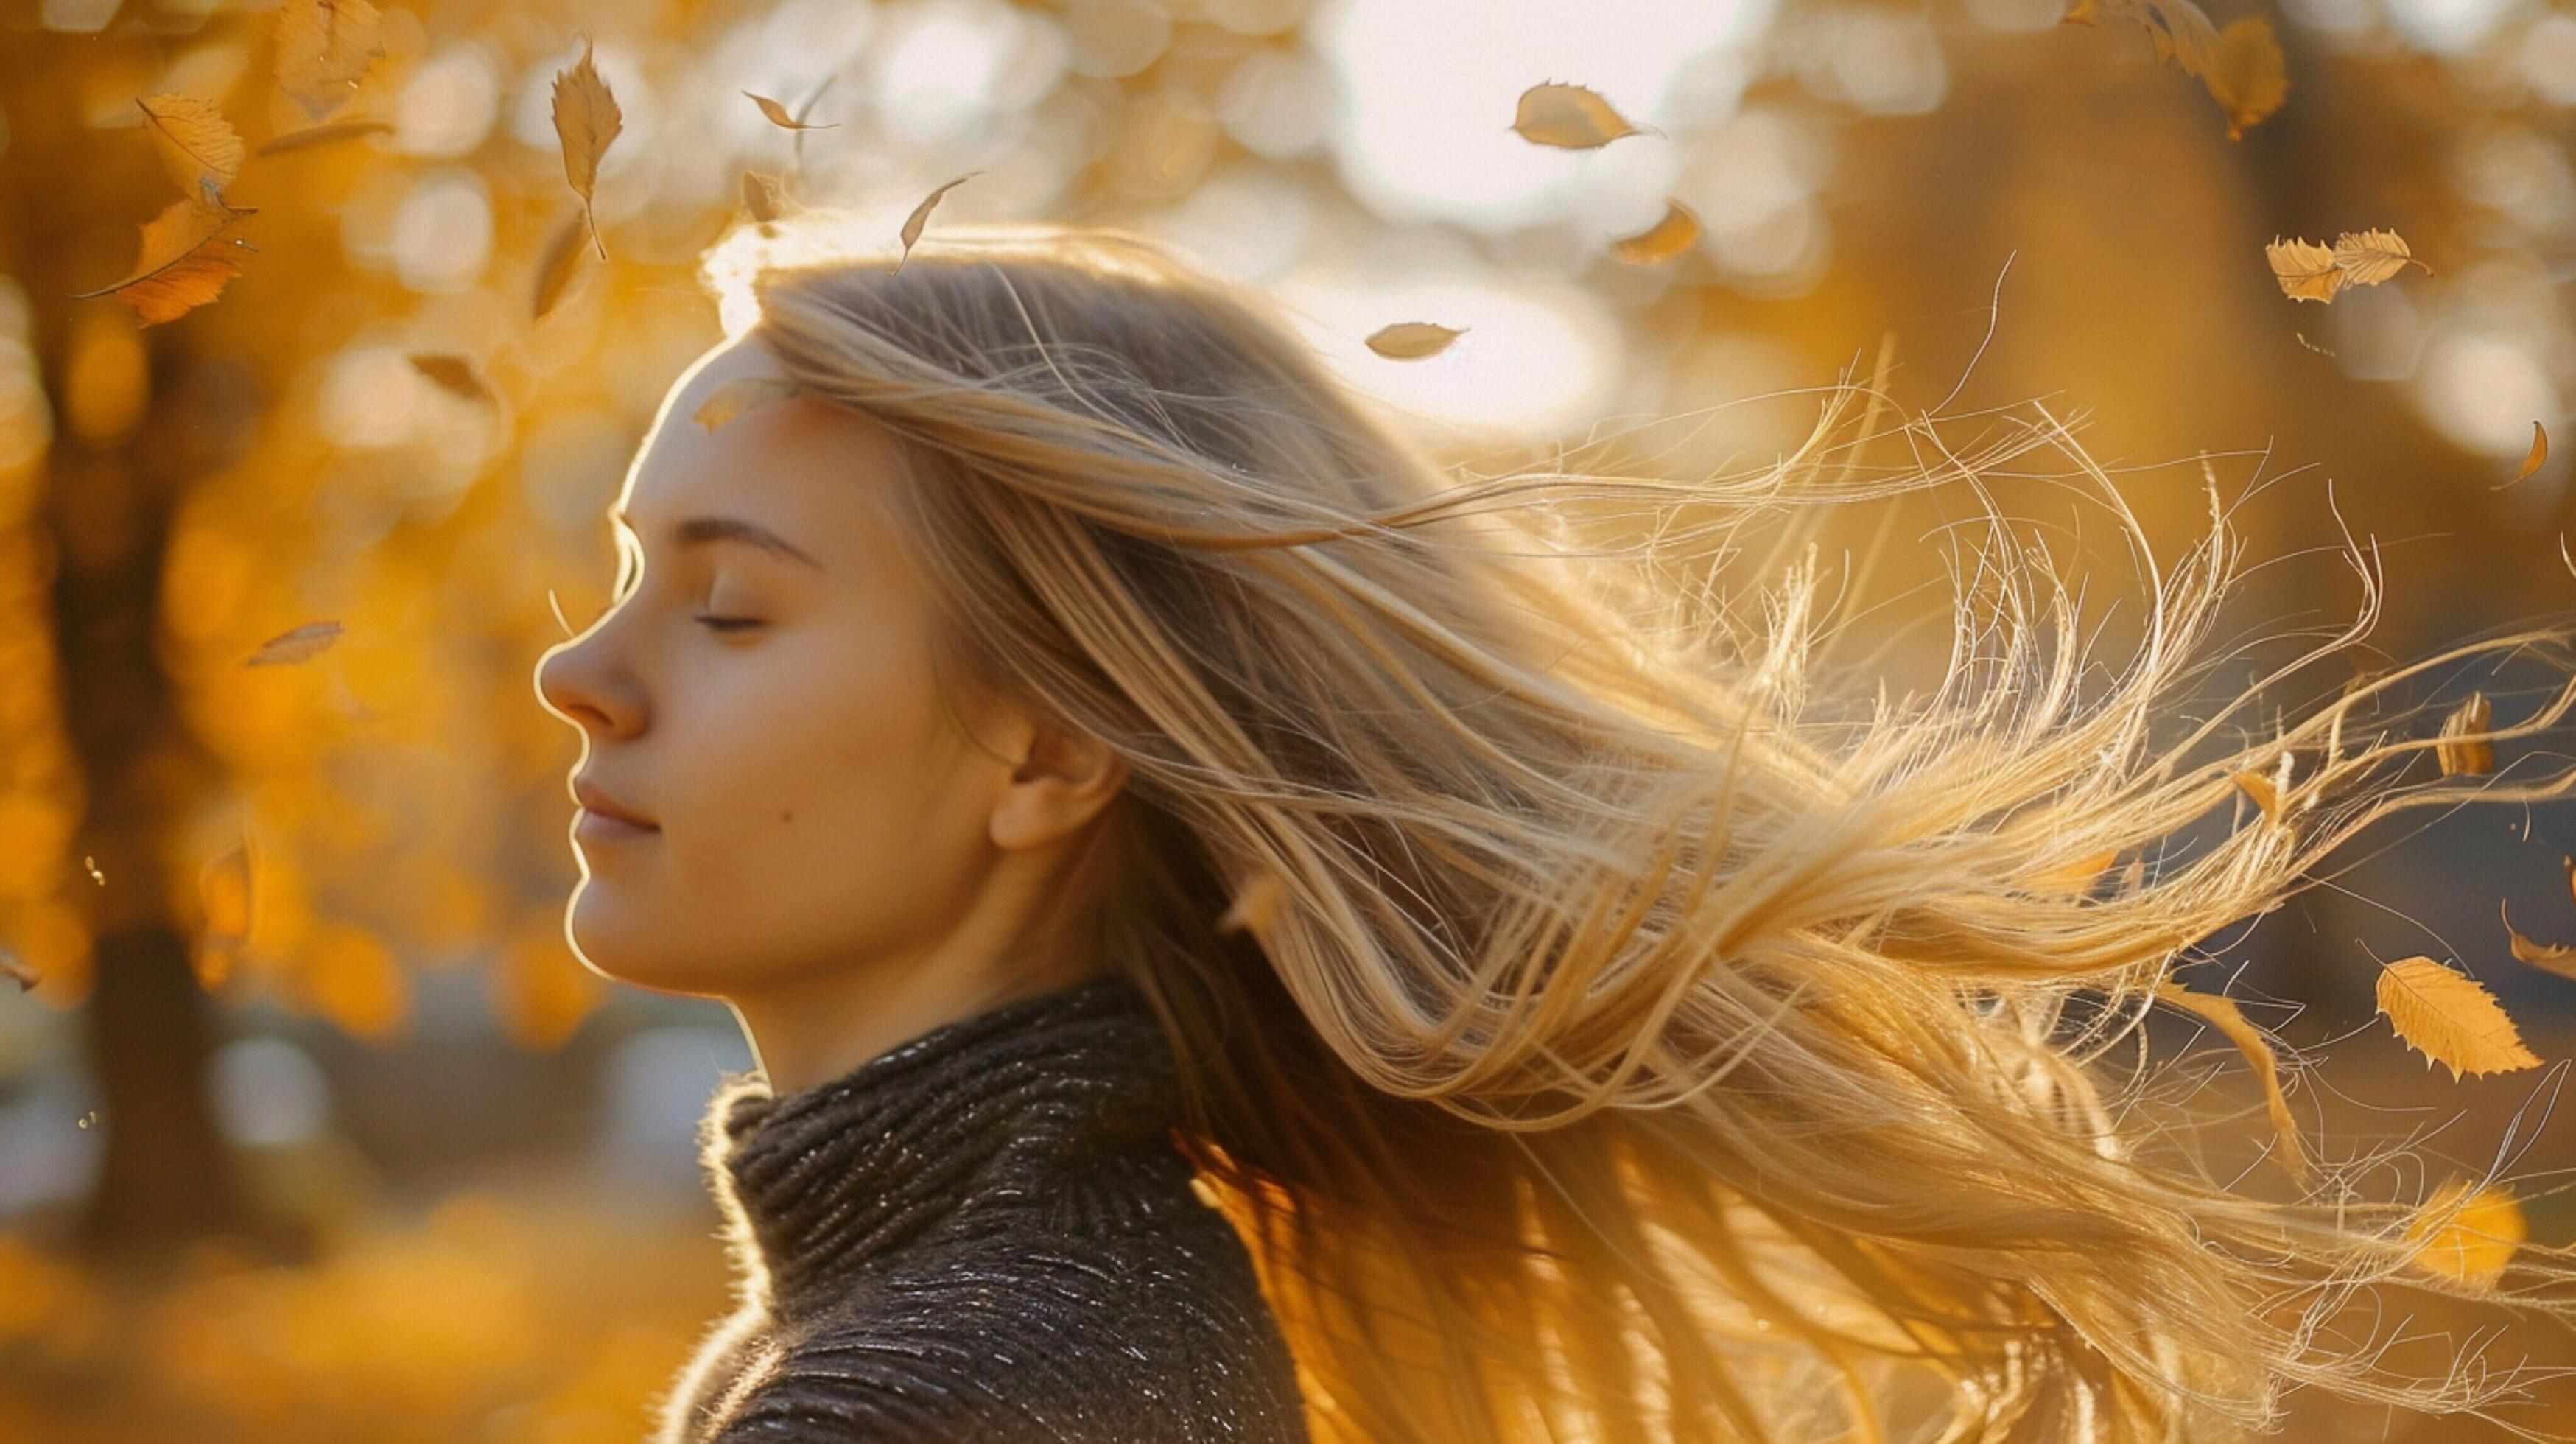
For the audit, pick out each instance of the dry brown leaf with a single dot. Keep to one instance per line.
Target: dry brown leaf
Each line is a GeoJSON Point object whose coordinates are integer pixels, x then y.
{"type": "Point", "coordinates": [2474, 1247]}
{"type": "Point", "coordinates": [1412, 340]}
{"type": "Point", "coordinates": [2241, 66]}
{"type": "Point", "coordinates": [2221, 1013]}
{"type": "Point", "coordinates": [2246, 75]}
{"type": "Point", "coordinates": [1256, 906]}
{"type": "Point", "coordinates": [2259, 787]}
{"type": "Point", "coordinates": [2451, 1019]}
{"type": "Point", "coordinates": [2306, 270]}
{"type": "Point", "coordinates": [2531, 459]}
{"type": "Point", "coordinates": [2559, 958]}
{"type": "Point", "coordinates": [196, 145]}
{"type": "Point", "coordinates": [913, 223]}
{"type": "Point", "coordinates": [763, 196]}
{"type": "Point", "coordinates": [181, 265]}
{"type": "Point", "coordinates": [323, 48]}
{"type": "Point", "coordinates": [556, 264]}
{"type": "Point", "coordinates": [2476, 756]}
{"type": "Point", "coordinates": [2078, 874]}
{"type": "Point", "coordinates": [778, 116]}
{"type": "Point", "coordinates": [586, 121]}
{"type": "Point", "coordinates": [739, 395]}
{"type": "Point", "coordinates": [314, 135]}
{"type": "Point", "coordinates": [296, 644]}
{"type": "Point", "coordinates": [1572, 117]}
{"type": "Point", "coordinates": [1677, 232]}
{"type": "Point", "coordinates": [21, 972]}
{"type": "Point", "coordinates": [452, 374]}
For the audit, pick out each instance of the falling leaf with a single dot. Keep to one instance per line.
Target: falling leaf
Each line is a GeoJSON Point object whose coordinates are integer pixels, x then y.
{"type": "Point", "coordinates": [586, 120]}
{"type": "Point", "coordinates": [2474, 1247]}
{"type": "Point", "coordinates": [1572, 117]}
{"type": "Point", "coordinates": [323, 48]}
{"type": "Point", "coordinates": [763, 196]}
{"type": "Point", "coordinates": [739, 395]}
{"type": "Point", "coordinates": [2559, 958]}
{"type": "Point", "coordinates": [2246, 76]}
{"type": "Point", "coordinates": [224, 896]}
{"type": "Point", "coordinates": [2450, 1018]}
{"type": "Point", "coordinates": [2531, 459]}
{"type": "Point", "coordinates": [2308, 271]}
{"type": "Point", "coordinates": [453, 374]}
{"type": "Point", "coordinates": [2222, 1013]}
{"type": "Point", "coordinates": [2477, 756]}
{"type": "Point", "coordinates": [1256, 906]}
{"type": "Point", "coordinates": [1665, 239]}
{"type": "Point", "coordinates": [779, 117]}
{"type": "Point", "coordinates": [196, 144]}
{"type": "Point", "coordinates": [2241, 66]}
{"type": "Point", "coordinates": [913, 223]}
{"type": "Point", "coordinates": [296, 644]}
{"type": "Point", "coordinates": [25, 976]}
{"type": "Point", "coordinates": [2259, 787]}
{"type": "Point", "coordinates": [1412, 340]}
{"type": "Point", "coordinates": [180, 267]}
{"type": "Point", "coordinates": [337, 130]}
{"type": "Point", "coordinates": [2077, 875]}
{"type": "Point", "coordinates": [562, 256]}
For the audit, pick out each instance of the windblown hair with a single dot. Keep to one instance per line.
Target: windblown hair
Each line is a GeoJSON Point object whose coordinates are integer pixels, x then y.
{"type": "Point", "coordinates": [1593, 1035]}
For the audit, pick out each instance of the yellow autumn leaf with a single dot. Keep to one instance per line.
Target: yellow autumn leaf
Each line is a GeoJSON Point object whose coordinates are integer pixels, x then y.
{"type": "Point", "coordinates": [2450, 1018]}
{"type": "Point", "coordinates": [2367, 258]}
{"type": "Point", "coordinates": [323, 48]}
{"type": "Point", "coordinates": [739, 395]}
{"type": "Point", "coordinates": [778, 116]}
{"type": "Point", "coordinates": [1412, 340]}
{"type": "Point", "coordinates": [2559, 958]}
{"type": "Point", "coordinates": [2475, 756]}
{"type": "Point", "coordinates": [314, 135]}
{"type": "Point", "coordinates": [2306, 270]}
{"type": "Point", "coordinates": [2246, 75]}
{"type": "Point", "coordinates": [452, 374]}
{"type": "Point", "coordinates": [913, 223]}
{"type": "Point", "coordinates": [295, 644]}
{"type": "Point", "coordinates": [194, 142]}
{"type": "Point", "coordinates": [2531, 459]}
{"type": "Point", "coordinates": [2222, 1013]}
{"type": "Point", "coordinates": [555, 265]}
{"type": "Point", "coordinates": [180, 265]}
{"type": "Point", "coordinates": [1571, 117]}
{"type": "Point", "coordinates": [586, 121]}
{"type": "Point", "coordinates": [2259, 787]}
{"type": "Point", "coordinates": [2479, 1241]}
{"type": "Point", "coordinates": [1675, 233]}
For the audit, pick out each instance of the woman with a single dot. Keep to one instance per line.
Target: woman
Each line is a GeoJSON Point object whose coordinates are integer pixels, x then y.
{"type": "Point", "coordinates": [1110, 773]}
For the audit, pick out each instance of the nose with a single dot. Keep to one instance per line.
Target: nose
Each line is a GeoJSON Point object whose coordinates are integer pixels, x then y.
{"type": "Point", "coordinates": [579, 681]}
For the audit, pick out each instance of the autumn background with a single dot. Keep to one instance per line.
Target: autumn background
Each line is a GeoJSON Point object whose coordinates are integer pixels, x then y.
{"type": "Point", "coordinates": [314, 385]}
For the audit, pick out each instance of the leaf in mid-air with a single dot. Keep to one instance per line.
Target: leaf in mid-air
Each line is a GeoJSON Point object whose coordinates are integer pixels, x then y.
{"type": "Point", "coordinates": [195, 143]}
{"type": "Point", "coordinates": [296, 644]}
{"type": "Point", "coordinates": [2308, 271]}
{"type": "Point", "coordinates": [1570, 117]}
{"type": "Point", "coordinates": [1675, 233]}
{"type": "Point", "coordinates": [2221, 1012]}
{"type": "Point", "coordinates": [586, 121]}
{"type": "Point", "coordinates": [181, 264]}
{"type": "Point", "coordinates": [913, 223]}
{"type": "Point", "coordinates": [1412, 340]}
{"type": "Point", "coordinates": [2475, 755]}
{"type": "Point", "coordinates": [556, 264]}
{"type": "Point", "coordinates": [452, 374]}
{"type": "Point", "coordinates": [323, 48]}
{"type": "Point", "coordinates": [2449, 1018]}
{"type": "Point", "coordinates": [2480, 1239]}
{"type": "Point", "coordinates": [313, 135]}
{"type": "Point", "coordinates": [778, 116]}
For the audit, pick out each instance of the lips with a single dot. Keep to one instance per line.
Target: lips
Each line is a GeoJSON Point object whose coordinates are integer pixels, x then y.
{"type": "Point", "coordinates": [592, 799]}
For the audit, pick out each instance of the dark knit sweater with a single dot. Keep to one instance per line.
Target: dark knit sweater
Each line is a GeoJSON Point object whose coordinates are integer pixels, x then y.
{"type": "Point", "coordinates": [985, 1233]}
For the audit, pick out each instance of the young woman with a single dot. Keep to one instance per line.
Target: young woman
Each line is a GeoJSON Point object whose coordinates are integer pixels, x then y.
{"type": "Point", "coordinates": [1245, 938]}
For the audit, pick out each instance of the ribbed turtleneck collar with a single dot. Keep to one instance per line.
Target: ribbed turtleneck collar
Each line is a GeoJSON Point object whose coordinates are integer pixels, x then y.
{"type": "Point", "coordinates": [999, 1110]}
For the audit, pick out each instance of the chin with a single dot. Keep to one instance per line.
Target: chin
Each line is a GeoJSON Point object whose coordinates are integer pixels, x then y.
{"type": "Point", "coordinates": [630, 950]}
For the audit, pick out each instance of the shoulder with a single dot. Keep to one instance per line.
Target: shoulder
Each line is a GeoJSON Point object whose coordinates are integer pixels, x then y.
{"type": "Point", "coordinates": [1042, 1337]}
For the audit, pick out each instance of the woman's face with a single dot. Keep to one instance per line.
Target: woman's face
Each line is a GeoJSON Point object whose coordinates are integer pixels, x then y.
{"type": "Point", "coordinates": [761, 694]}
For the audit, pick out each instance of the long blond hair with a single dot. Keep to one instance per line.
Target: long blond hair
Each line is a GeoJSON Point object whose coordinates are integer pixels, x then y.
{"type": "Point", "coordinates": [1590, 1036]}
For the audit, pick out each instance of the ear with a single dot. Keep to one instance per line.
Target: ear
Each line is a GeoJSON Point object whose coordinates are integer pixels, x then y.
{"type": "Point", "coordinates": [1063, 780]}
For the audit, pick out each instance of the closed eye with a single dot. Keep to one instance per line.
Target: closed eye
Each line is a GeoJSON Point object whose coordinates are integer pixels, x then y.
{"type": "Point", "coordinates": [727, 624]}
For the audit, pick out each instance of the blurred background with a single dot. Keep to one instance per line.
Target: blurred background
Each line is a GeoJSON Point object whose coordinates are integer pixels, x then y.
{"type": "Point", "coordinates": [311, 1126]}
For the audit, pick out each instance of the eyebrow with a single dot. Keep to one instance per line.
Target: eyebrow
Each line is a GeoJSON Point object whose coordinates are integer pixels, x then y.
{"type": "Point", "coordinates": [699, 530]}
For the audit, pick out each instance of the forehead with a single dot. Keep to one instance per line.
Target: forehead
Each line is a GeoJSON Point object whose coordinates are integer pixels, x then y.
{"type": "Point", "coordinates": [814, 472]}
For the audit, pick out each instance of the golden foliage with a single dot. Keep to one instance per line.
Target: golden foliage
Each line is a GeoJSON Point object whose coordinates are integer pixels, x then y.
{"type": "Point", "coordinates": [324, 48]}
{"type": "Point", "coordinates": [2222, 1013]}
{"type": "Point", "coordinates": [1412, 340]}
{"type": "Point", "coordinates": [777, 115]}
{"type": "Point", "coordinates": [920, 216]}
{"type": "Point", "coordinates": [2308, 271]}
{"type": "Point", "coordinates": [2241, 66]}
{"type": "Point", "coordinates": [194, 142]}
{"type": "Point", "coordinates": [2259, 787]}
{"type": "Point", "coordinates": [2451, 1019]}
{"type": "Point", "coordinates": [2559, 958]}
{"type": "Point", "coordinates": [1570, 117]}
{"type": "Point", "coordinates": [2473, 1248]}
{"type": "Point", "coordinates": [587, 121]}
{"type": "Point", "coordinates": [180, 265]}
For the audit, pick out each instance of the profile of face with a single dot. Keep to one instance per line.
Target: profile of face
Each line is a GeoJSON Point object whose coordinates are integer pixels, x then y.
{"type": "Point", "coordinates": [760, 700]}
